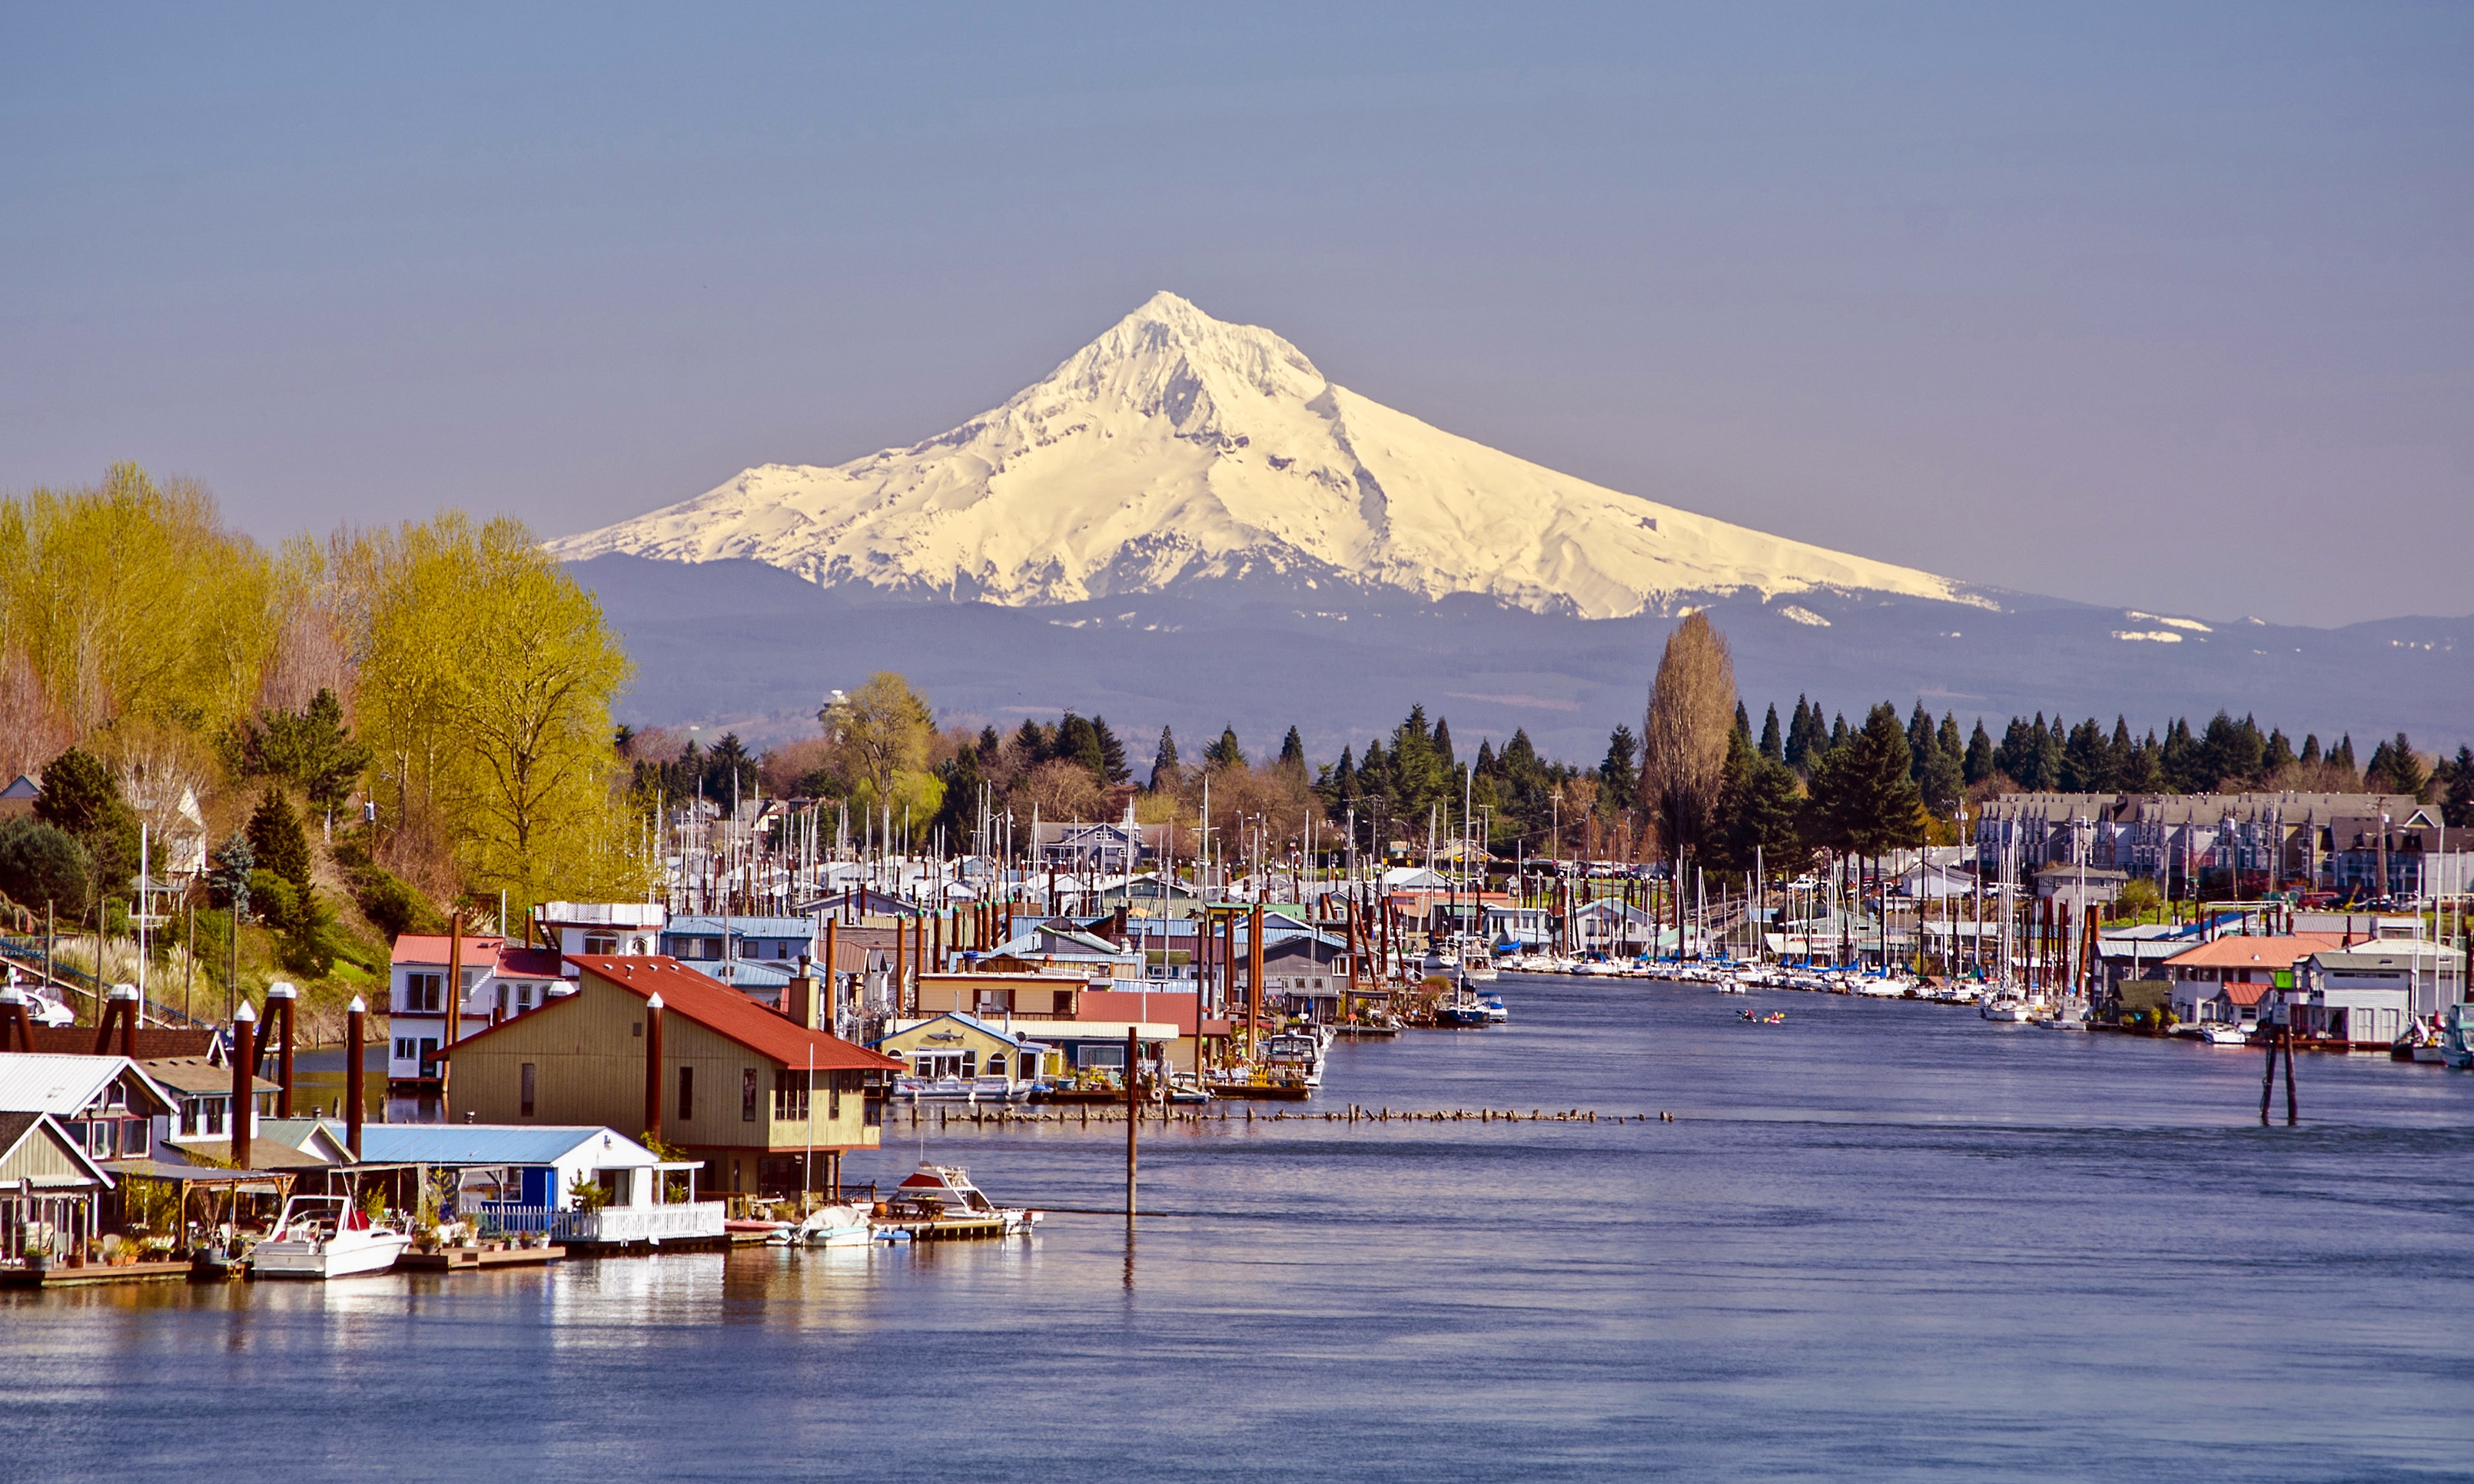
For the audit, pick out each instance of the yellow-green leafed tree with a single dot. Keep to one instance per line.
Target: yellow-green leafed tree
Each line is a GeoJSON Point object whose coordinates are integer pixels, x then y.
{"type": "Point", "coordinates": [486, 681]}
{"type": "Point", "coordinates": [131, 598]}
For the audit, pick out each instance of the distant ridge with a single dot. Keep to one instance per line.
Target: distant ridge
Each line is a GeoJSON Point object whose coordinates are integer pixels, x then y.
{"type": "Point", "coordinates": [1178, 447]}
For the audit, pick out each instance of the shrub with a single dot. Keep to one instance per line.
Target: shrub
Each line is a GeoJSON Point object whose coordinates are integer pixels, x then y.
{"type": "Point", "coordinates": [391, 903]}
{"type": "Point", "coordinates": [40, 864]}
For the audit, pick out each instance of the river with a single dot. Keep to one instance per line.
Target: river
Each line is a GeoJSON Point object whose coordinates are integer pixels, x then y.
{"type": "Point", "coordinates": [1878, 1240]}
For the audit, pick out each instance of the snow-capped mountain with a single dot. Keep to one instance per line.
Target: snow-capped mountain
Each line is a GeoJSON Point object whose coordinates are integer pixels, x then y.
{"type": "Point", "coordinates": [1178, 446]}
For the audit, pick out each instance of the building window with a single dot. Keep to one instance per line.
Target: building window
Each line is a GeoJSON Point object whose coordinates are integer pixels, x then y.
{"type": "Point", "coordinates": [421, 991]}
{"type": "Point", "coordinates": [526, 1081]}
{"type": "Point", "coordinates": [523, 997]}
{"type": "Point", "coordinates": [132, 1142]}
{"type": "Point", "coordinates": [403, 1048]}
{"type": "Point", "coordinates": [748, 1095]}
{"type": "Point", "coordinates": [789, 1095]}
{"type": "Point", "coordinates": [502, 999]}
{"type": "Point", "coordinates": [600, 943]}
{"type": "Point", "coordinates": [687, 1092]}
{"type": "Point", "coordinates": [215, 1115]}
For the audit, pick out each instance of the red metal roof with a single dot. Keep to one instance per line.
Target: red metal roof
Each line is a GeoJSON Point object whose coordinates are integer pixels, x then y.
{"type": "Point", "coordinates": [2255, 953]}
{"type": "Point", "coordinates": [529, 963]}
{"type": "Point", "coordinates": [725, 1012]}
{"type": "Point", "coordinates": [431, 948]}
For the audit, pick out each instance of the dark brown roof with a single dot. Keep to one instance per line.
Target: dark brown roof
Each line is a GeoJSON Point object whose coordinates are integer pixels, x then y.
{"type": "Point", "coordinates": [152, 1041]}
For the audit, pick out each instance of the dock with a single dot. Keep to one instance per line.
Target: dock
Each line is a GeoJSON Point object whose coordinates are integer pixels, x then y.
{"type": "Point", "coordinates": [93, 1275]}
{"type": "Point", "coordinates": [473, 1259]}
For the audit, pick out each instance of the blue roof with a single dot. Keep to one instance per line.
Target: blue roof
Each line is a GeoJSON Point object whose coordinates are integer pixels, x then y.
{"type": "Point", "coordinates": [447, 1143]}
{"type": "Point", "coordinates": [747, 927]}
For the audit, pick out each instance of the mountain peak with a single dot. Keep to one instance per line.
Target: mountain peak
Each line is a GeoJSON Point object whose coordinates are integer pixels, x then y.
{"type": "Point", "coordinates": [1178, 447]}
{"type": "Point", "coordinates": [1169, 356]}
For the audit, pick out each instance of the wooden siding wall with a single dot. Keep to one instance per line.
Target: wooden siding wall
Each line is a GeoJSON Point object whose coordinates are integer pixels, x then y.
{"type": "Point", "coordinates": [40, 1158]}
{"type": "Point", "coordinates": [588, 1049]}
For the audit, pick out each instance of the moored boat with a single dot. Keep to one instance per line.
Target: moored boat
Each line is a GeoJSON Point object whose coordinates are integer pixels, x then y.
{"type": "Point", "coordinates": [938, 1202]}
{"type": "Point", "coordinates": [324, 1237]}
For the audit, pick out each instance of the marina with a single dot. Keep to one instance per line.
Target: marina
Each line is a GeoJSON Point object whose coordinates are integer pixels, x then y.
{"type": "Point", "coordinates": [1679, 1270]}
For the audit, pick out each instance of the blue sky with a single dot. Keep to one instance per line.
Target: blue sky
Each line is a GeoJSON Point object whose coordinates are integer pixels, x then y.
{"type": "Point", "coordinates": [2159, 306]}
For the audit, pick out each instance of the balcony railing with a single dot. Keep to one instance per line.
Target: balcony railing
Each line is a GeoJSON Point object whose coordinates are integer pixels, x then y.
{"type": "Point", "coordinates": [673, 1222]}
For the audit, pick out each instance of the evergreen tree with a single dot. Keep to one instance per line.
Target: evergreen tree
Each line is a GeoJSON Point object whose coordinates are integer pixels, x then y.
{"type": "Point", "coordinates": [1839, 732]}
{"type": "Point", "coordinates": [1112, 767]}
{"type": "Point", "coordinates": [1772, 747]}
{"type": "Point", "coordinates": [2396, 769]}
{"type": "Point", "coordinates": [1165, 772]}
{"type": "Point", "coordinates": [2145, 771]}
{"type": "Point", "coordinates": [1487, 766]}
{"type": "Point", "coordinates": [959, 816]}
{"type": "Point", "coordinates": [1225, 753]}
{"type": "Point", "coordinates": [1619, 775]}
{"type": "Point", "coordinates": [1980, 763]}
{"type": "Point", "coordinates": [1944, 778]}
{"type": "Point", "coordinates": [311, 748]}
{"type": "Point", "coordinates": [2340, 757]}
{"type": "Point", "coordinates": [1032, 740]}
{"type": "Point", "coordinates": [2278, 757]}
{"type": "Point", "coordinates": [1444, 759]}
{"type": "Point", "coordinates": [1865, 798]}
{"type": "Point", "coordinates": [81, 799]}
{"type": "Point", "coordinates": [1921, 742]}
{"type": "Point", "coordinates": [1292, 750]}
{"type": "Point", "coordinates": [1805, 736]}
{"type": "Point", "coordinates": [41, 864]}
{"type": "Point", "coordinates": [2085, 767]}
{"type": "Point", "coordinates": [228, 872]}
{"type": "Point", "coordinates": [2183, 764]}
{"type": "Point", "coordinates": [991, 747]}
{"type": "Point", "coordinates": [277, 841]}
{"type": "Point", "coordinates": [2311, 749]}
{"type": "Point", "coordinates": [2459, 811]}
{"type": "Point", "coordinates": [1743, 720]}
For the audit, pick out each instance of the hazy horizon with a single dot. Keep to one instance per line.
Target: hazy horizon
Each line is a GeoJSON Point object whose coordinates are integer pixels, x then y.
{"type": "Point", "coordinates": [2158, 310]}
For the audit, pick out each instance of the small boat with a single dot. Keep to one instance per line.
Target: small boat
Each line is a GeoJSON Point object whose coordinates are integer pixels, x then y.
{"type": "Point", "coordinates": [325, 1236]}
{"type": "Point", "coordinates": [2457, 1038]}
{"type": "Point", "coordinates": [959, 1090]}
{"type": "Point", "coordinates": [2007, 1006]}
{"type": "Point", "coordinates": [842, 1225]}
{"type": "Point", "coordinates": [1496, 1013]}
{"type": "Point", "coordinates": [2222, 1036]}
{"type": "Point", "coordinates": [938, 1202]}
{"type": "Point", "coordinates": [1297, 1054]}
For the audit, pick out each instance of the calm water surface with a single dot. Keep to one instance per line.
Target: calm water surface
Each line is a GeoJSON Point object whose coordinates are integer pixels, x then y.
{"type": "Point", "coordinates": [1880, 1240]}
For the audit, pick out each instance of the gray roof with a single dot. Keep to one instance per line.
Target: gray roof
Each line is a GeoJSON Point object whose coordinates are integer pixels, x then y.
{"type": "Point", "coordinates": [34, 1083]}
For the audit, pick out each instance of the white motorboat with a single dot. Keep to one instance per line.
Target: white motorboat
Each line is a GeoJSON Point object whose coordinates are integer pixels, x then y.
{"type": "Point", "coordinates": [2008, 1006]}
{"type": "Point", "coordinates": [325, 1236]}
{"type": "Point", "coordinates": [938, 1200]}
{"type": "Point", "coordinates": [1298, 1052]}
{"type": "Point", "coordinates": [2222, 1035]}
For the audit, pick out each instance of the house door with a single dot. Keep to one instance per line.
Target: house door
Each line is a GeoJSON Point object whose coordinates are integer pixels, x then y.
{"type": "Point", "coordinates": [429, 1057]}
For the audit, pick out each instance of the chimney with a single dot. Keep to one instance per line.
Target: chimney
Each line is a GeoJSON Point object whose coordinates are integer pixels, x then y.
{"type": "Point", "coordinates": [653, 1066]}
{"type": "Point", "coordinates": [279, 1000]}
{"type": "Point", "coordinates": [16, 1029]}
{"type": "Point", "coordinates": [353, 1016]}
{"type": "Point", "coordinates": [244, 1081]}
{"type": "Point", "coordinates": [799, 995]}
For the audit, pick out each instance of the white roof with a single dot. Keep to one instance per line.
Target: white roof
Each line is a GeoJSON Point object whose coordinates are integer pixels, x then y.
{"type": "Point", "coordinates": [64, 1086]}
